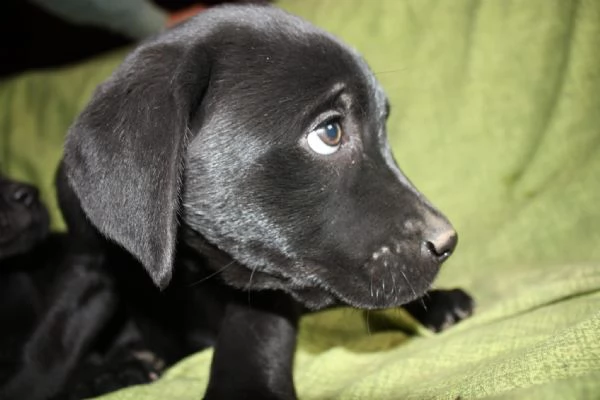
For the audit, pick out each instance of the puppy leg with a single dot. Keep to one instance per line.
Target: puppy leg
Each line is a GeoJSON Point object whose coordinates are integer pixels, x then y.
{"type": "Point", "coordinates": [255, 349]}
{"type": "Point", "coordinates": [440, 309]}
{"type": "Point", "coordinates": [83, 302]}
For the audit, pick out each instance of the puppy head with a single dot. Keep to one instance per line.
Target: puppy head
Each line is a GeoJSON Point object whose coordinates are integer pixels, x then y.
{"type": "Point", "coordinates": [23, 219]}
{"type": "Point", "coordinates": [266, 137]}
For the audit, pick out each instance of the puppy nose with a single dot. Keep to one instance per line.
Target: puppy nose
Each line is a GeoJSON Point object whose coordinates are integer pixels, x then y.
{"type": "Point", "coordinates": [441, 244]}
{"type": "Point", "coordinates": [25, 195]}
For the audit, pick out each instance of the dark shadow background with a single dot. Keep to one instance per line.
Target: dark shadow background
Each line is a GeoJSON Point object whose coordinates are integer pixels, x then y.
{"type": "Point", "coordinates": [31, 38]}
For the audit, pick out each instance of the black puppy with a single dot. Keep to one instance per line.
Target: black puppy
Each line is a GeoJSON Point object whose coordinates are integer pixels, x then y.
{"type": "Point", "coordinates": [30, 268]}
{"type": "Point", "coordinates": [244, 151]}
{"type": "Point", "coordinates": [23, 225]}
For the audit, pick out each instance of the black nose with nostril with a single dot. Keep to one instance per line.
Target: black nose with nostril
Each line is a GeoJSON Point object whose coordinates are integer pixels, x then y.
{"type": "Point", "coordinates": [442, 245]}
{"type": "Point", "coordinates": [25, 195]}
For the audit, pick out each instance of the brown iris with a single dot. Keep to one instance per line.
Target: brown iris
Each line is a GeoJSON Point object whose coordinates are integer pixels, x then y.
{"type": "Point", "coordinates": [330, 134]}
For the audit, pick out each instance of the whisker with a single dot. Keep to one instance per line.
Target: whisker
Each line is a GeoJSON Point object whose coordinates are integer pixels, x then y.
{"type": "Point", "coordinates": [250, 283]}
{"type": "Point", "coordinates": [408, 283]}
{"type": "Point", "coordinates": [389, 271]}
{"type": "Point", "coordinates": [423, 300]}
{"type": "Point", "coordinates": [390, 71]}
{"type": "Point", "coordinates": [394, 285]}
{"type": "Point", "coordinates": [212, 274]}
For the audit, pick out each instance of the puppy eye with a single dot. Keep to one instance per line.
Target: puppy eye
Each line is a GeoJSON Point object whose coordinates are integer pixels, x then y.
{"type": "Point", "coordinates": [325, 139]}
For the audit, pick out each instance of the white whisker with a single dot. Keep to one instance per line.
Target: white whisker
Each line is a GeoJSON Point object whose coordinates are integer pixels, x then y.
{"type": "Point", "coordinates": [213, 274]}
{"type": "Point", "coordinates": [250, 283]}
{"type": "Point", "coordinates": [408, 283]}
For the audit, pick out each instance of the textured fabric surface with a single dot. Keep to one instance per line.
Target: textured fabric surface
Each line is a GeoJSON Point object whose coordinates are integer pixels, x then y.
{"type": "Point", "coordinates": [495, 117]}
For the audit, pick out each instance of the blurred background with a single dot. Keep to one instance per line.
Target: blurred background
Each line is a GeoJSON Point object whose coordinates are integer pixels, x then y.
{"type": "Point", "coordinates": [50, 33]}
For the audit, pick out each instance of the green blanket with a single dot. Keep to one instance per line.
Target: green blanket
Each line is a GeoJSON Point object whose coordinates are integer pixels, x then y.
{"type": "Point", "coordinates": [496, 118]}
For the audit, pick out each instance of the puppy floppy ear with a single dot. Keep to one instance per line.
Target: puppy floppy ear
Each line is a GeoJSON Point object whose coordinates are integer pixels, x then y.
{"type": "Point", "coordinates": [124, 155]}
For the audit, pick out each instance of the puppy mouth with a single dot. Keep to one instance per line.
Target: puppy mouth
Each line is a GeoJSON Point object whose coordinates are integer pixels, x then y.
{"type": "Point", "coordinates": [34, 229]}
{"type": "Point", "coordinates": [387, 279]}
{"type": "Point", "coordinates": [384, 281]}
{"type": "Point", "coordinates": [394, 281]}
{"type": "Point", "coordinates": [392, 276]}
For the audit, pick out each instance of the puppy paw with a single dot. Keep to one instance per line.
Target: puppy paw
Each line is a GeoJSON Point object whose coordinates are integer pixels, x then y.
{"type": "Point", "coordinates": [440, 309]}
{"type": "Point", "coordinates": [137, 368]}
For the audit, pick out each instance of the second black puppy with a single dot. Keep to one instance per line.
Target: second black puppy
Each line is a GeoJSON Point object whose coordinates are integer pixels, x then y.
{"type": "Point", "coordinates": [248, 147]}
{"type": "Point", "coordinates": [31, 270]}
{"type": "Point", "coordinates": [23, 226]}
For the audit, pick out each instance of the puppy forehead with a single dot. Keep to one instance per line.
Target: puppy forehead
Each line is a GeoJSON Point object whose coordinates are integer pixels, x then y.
{"type": "Point", "coordinates": [276, 42]}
